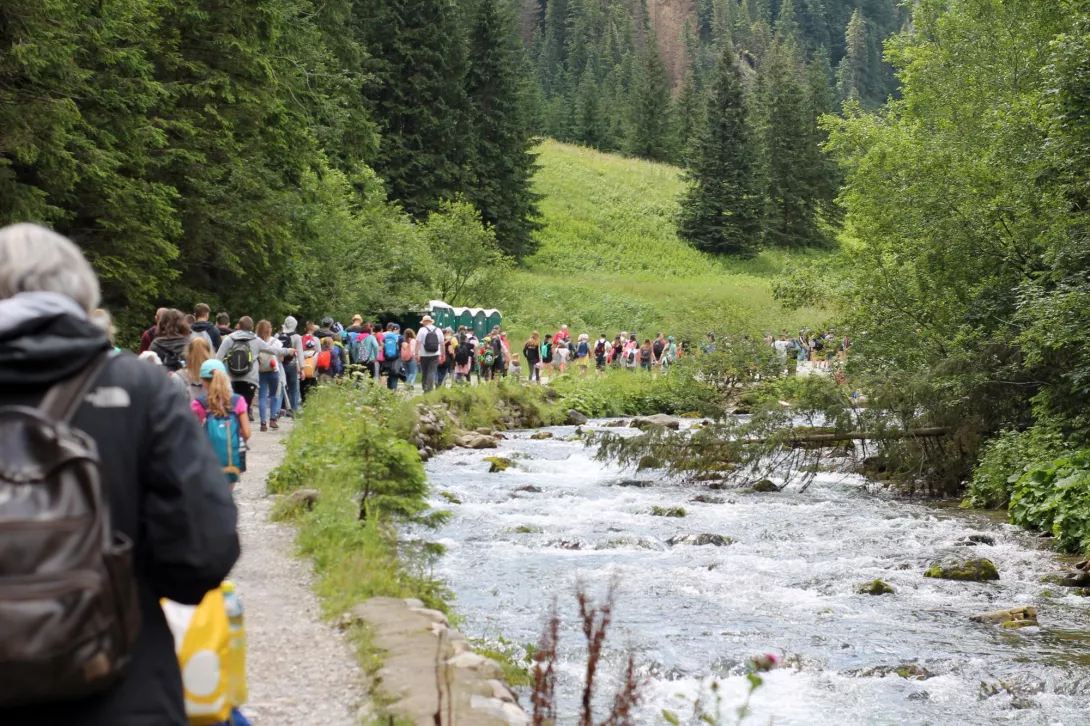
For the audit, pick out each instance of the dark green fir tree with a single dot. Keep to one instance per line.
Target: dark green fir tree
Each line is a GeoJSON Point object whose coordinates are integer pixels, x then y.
{"type": "Point", "coordinates": [651, 135]}
{"type": "Point", "coordinates": [502, 162]}
{"type": "Point", "coordinates": [418, 63]}
{"type": "Point", "coordinates": [788, 144]}
{"type": "Point", "coordinates": [721, 211]}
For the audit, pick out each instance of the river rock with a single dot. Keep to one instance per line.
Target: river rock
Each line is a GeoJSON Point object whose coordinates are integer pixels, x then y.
{"type": "Point", "coordinates": [541, 435]}
{"type": "Point", "coordinates": [765, 485]}
{"type": "Point", "coordinates": [1068, 579]}
{"type": "Point", "coordinates": [302, 498]}
{"type": "Point", "coordinates": [976, 539]}
{"type": "Point", "coordinates": [706, 499]}
{"type": "Point", "coordinates": [972, 570]}
{"type": "Point", "coordinates": [649, 462]}
{"type": "Point", "coordinates": [529, 489]}
{"type": "Point", "coordinates": [618, 424]}
{"type": "Point", "coordinates": [484, 431]}
{"type": "Point", "coordinates": [659, 419]}
{"type": "Point", "coordinates": [637, 483]}
{"type": "Point", "coordinates": [476, 440]}
{"type": "Point", "coordinates": [700, 540]}
{"type": "Point", "coordinates": [1014, 617]}
{"type": "Point", "coordinates": [910, 671]}
{"type": "Point", "coordinates": [451, 499]}
{"type": "Point", "coordinates": [575, 418]}
{"type": "Point", "coordinates": [498, 463]}
{"type": "Point", "coordinates": [875, 587]}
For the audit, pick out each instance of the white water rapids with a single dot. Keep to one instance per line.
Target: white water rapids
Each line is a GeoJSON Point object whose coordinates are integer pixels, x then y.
{"type": "Point", "coordinates": [785, 586]}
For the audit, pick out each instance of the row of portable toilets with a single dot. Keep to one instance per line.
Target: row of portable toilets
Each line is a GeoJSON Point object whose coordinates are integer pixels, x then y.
{"type": "Point", "coordinates": [482, 320]}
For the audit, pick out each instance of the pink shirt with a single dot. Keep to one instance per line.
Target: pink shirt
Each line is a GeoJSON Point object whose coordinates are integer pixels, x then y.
{"type": "Point", "coordinates": [202, 414]}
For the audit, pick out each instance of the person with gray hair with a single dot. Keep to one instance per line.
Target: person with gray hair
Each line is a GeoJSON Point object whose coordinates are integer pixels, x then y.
{"type": "Point", "coordinates": [164, 493]}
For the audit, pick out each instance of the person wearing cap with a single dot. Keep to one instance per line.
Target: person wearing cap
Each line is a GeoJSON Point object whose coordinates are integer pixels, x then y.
{"type": "Point", "coordinates": [446, 361]}
{"type": "Point", "coordinates": [582, 354]}
{"type": "Point", "coordinates": [220, 402]}
{"type": "Point", "coordinates": [429, 351]}
{"type": "Point", "coordinates": [357, 325]}
{"type": "Point", "coordinates": [308, 367]}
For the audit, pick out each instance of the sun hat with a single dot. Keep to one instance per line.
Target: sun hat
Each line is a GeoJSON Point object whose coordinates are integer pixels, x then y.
{"type": "Point", "coordinates": [427, 319]}
{"type": "Point", "coordinates": [357, 318]}
{"type": "Point", "coordinates": [670, 338]}
{"type": "Point", "coordinates": [210, 366]}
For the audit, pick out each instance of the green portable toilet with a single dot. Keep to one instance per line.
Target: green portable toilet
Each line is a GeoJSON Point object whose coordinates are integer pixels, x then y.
{"type": "Point", "coordinates": [463, 316]}
{"type": "Point", "coordinates": [442, 313]}
{"type": "Point", "coordinates": [494, 319]}
{"type": "Point", "coordinates": [480, 321]}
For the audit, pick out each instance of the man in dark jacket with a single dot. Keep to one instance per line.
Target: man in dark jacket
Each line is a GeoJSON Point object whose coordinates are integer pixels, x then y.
{"type": "Point", "coordinates": [166, 489]}
{"type": "Point", "coordinates": [202, 312]}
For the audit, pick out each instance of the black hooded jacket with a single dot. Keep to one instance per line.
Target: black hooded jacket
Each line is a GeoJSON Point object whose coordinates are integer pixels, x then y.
{"type": "Point", "coordinates": [166, 491]}
{"type": "Point", "coordinates": [213, 333]}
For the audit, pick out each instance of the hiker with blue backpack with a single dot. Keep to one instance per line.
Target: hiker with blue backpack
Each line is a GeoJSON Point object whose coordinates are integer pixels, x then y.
{"type": "Point", "coordinates": [391, 347]}
{"type": "Point", "coordinates": [222, 413]}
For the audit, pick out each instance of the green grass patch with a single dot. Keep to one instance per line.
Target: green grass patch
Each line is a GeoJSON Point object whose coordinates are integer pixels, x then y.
{"type": "Point", "coordinates": [610, 258]}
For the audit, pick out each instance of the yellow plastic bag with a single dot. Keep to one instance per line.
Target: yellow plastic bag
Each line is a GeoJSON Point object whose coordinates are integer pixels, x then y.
{"type": "Point", "coordinates": [210, 641]}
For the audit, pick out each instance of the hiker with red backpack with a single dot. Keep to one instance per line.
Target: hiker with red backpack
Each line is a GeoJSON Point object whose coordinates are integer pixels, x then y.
{"type": "Point", "coordinates": [126, 505]}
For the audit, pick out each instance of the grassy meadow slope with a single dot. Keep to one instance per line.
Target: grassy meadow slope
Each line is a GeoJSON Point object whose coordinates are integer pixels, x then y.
{"type": "Point", "coordinates": [611, 260]}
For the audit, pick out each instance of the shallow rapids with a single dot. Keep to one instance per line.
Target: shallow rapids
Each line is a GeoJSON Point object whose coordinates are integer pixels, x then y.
{"type": "Point", "coordinates": [785, 586]}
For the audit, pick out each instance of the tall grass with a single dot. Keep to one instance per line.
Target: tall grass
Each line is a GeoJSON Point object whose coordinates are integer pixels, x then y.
{"type": "Point", "coordinates": [610, 258]}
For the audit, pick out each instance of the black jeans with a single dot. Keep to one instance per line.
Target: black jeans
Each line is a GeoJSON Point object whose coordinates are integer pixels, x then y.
{"type": "Point", "coordinates": [246, 390]}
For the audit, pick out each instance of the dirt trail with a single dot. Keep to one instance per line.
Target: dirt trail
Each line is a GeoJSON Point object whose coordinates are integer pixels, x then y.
{"type": "Point", "coordinates": [300, 669]}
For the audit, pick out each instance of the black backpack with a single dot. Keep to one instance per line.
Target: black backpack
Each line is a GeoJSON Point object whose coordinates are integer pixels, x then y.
{"type": "Point", "coordinates": [285, 340]}
{"type": "Point", "coordinates": [431, 341]}
{"type": "Point", "coordinates": [69, 615]}
{"type": "Point", "coordinates": [645, 355]}
{"type": "Point", "coordinates": [658, 347]}
{"type": "Point", "coordinates": [240, 358]}
{"type": "Point", "coordinates": [461, 353]}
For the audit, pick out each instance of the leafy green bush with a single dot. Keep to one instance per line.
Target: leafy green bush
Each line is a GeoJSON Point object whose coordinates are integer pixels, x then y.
{"type": "Point", "coordinates": [367, 479]}
{"type": "Point", "coordinates": [634, 393]}
{"type": "Point", "coordinates": [1004, 460]}
{"type": "Point", "coordinates": [1054, 497]}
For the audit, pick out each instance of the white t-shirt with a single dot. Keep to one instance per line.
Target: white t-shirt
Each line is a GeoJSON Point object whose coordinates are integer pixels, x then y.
{"type": "Point", "coordinates": [562, 355]}
{"type": "Point", "coordinates": [422, 335]}
{"type": "Point", "coordinates": [781, 347]}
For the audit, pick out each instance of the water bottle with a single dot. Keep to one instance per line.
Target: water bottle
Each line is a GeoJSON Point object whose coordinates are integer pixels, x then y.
{"type": "Point", "coordinates": [235, 665]}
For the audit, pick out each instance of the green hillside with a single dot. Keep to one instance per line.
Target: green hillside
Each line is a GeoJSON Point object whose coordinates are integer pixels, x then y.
{"type": "Point", "coordinates": [611, 260]}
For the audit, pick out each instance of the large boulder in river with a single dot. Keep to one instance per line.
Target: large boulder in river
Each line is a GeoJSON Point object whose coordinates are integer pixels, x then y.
{"type": "Point", "coordinates": [575, 418]}
{"type": "Point", "coordinates": [765, 485]}
{"type": "Point", "coordinates": [659, 419]}
{"type": "Point", "coordinates": [541, 435]}
{"type": "Point", "coordinates": [1014, 617]}
{"type": "Point", "coordinates": [971, 570]}
{"type": "Point", "coordinates": [649, 462]}
{"type": "Point", "coordinates": [475, 440]}
{"type": "Point", "coordinates": [700, 540]}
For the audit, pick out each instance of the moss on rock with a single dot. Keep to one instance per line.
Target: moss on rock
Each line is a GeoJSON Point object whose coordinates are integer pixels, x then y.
{"type": "Point", "coordinates": [972, 570]}
{"type": "Point", "coordinates": [875, 587]}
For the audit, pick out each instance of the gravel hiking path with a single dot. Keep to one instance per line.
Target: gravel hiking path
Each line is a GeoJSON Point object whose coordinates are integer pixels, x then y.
{"type": "Point", "coordinates": [300, 670]}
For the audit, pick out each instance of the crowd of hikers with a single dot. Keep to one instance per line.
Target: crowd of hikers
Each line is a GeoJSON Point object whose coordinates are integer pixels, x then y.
{"type": "Point", "coordinates": [136, 468]}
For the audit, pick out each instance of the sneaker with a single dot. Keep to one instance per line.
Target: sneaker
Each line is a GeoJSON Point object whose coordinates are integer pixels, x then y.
{"type": "Point", "coordinates": [264, 426]}
{"type": "Point", "coordinates": [273, 425]}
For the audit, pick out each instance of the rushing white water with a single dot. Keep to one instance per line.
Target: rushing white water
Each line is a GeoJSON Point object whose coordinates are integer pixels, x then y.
{"type": "Point", "coordinates": [785, 586]}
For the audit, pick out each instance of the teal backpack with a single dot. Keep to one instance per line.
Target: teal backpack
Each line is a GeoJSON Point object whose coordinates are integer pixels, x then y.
{"type": "Point", "coordinates": [226, 437]}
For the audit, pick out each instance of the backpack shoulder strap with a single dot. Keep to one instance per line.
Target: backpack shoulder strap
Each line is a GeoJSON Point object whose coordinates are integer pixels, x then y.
{"type": "Point", "coordinates": [63, 400]}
